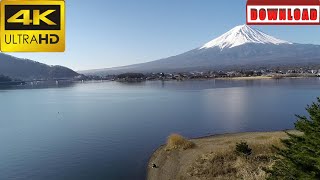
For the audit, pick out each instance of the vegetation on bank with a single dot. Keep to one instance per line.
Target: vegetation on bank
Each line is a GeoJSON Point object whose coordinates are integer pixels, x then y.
{"type": "Point", "coordinates": [292, 155]}
{"type": "Point", "coordinates": [240, 161]}
{"type": "Point", "coordinates": [176, 141]}
{"type": "Point", "coordinates": [300, 157]}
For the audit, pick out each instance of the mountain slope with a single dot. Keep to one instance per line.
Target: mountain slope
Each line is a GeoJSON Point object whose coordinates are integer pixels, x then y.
{"type": "Point", "coordinates": [242, 35]}
{"type": "Point", "coordinates": [241, 46]}
{"type": "Point", "coordinates": [28, 70]}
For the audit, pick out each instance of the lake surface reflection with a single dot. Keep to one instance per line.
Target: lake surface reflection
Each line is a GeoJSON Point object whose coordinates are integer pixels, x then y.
{"type": "Point", "coordinates": [108, 130]}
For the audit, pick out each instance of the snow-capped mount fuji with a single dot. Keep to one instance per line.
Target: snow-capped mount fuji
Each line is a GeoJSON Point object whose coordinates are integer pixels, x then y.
{"type": "Point", "coordinates": [241, 47]}
{"type": "Point", "coordinates": [240, 35]}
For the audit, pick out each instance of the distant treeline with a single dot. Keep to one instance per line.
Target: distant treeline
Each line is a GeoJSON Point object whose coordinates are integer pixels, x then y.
{"type": "Point", "coordinates": [131, 76]}
{"type": "Point", "coordinates": [5, 78]}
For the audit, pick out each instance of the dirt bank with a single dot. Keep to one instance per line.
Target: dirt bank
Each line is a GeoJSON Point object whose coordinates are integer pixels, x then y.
{"type": "Point", "coordinates": [191, 164]}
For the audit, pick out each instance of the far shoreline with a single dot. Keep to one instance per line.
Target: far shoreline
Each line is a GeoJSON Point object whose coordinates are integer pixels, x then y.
{"type": "Point", "coordinates": [251, 78]}
{"type": "Point", "coordinates": [267, 77]}
{"type": "Point", "coordinates": [218, 78]}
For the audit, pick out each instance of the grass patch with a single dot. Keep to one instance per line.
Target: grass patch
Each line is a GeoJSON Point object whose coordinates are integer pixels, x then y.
{"type": "Point", "coordinates": [176, 141]}
{"type": "Point", "coordinates": [226, 163]}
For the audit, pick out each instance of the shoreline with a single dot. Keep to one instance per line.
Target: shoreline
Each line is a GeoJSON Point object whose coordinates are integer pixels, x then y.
{"type": "Point", "coordinates": [225, 79]}
{"type": "Point", "coordinates": [260, 78]}
{"type": "Point", "coordinates": [175, 164]}
{"type": "Point", "coordinates": [246, 78]}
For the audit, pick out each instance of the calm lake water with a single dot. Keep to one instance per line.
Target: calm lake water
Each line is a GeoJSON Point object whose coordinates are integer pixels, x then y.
{"type": "Point", "coordinates": [109, 130]}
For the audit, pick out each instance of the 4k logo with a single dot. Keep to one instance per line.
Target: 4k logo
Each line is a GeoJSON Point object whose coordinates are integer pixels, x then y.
{"type": "Point", "coordinates": [33, 26]}
{"type": "Point", "coordinates": [26, 16]}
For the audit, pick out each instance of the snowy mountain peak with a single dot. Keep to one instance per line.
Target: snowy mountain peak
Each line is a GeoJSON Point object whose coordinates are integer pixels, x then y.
{"type": "Point", "coordinates": [240, 35]}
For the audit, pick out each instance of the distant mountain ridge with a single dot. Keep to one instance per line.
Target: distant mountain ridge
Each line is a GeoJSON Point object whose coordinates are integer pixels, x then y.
{"type": "Point", "coordinates": [242, 46]}
{"type": "Point", "coordinates": [25, 69]}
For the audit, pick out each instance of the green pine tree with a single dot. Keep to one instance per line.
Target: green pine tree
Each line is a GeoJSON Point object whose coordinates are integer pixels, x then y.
{"type": "Point", "coordinates": [300, 157]}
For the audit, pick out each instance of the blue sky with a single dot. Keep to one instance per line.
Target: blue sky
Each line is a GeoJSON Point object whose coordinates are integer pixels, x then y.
{"type": "Point", "coordinates": [109, 33]}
